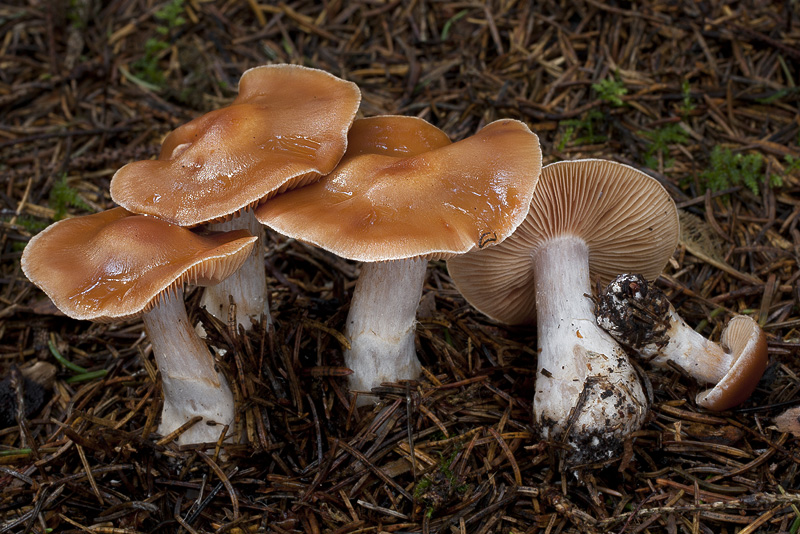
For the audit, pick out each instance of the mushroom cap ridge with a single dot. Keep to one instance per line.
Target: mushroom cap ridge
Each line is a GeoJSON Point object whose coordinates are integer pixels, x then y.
{"type": "Point", "coordinates": [434, 202]}
{"type": "Point", "coordinates": [114, 265]}
{"type": "Point", "coordinates": [748, 343]}
{"type": "Point", "coordinates": [627, 219]}
{"type": "Point", "coordinates": [287, 126]}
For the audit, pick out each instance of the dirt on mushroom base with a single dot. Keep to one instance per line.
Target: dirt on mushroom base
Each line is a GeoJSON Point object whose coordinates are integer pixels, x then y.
{"type": "Point", "coordinates": [596, 442]}
{"type": "Point", "coordinates": [643, 323]}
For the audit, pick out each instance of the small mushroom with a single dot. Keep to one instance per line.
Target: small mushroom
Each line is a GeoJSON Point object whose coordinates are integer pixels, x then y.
{"type": "Point", "coordinates": [640, 316]}
{"type": "Point", "coordinates": [588, 219]}
{"type": "Point", "coordinates": [115, 265]}
{"type": "Point", "coordinates": [401, 195]}
{"type": "Point", "coordinates": [286, 128]}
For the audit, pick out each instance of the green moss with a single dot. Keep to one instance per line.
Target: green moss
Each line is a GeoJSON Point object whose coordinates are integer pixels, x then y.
{"type": "Point", "coordinates": [726, 169]}
{"type": "Point", "coordinates": [582, 131]}
{"type": "Point", "coordinates": [792, 164]}
{"type": "Point", "coordinates": [611, 90]}
{"type": "Point", "coordinates": [661, 139]}
{"type": "Point", "coordinates": [438, 487]}
{"type": "Point", "coordinates": [74, 16]}
{"type": "Point", "coordinates": [688, 105]}
{"type": "Point", "coordinates": [64, 196]}
{"type": "Point", "coordinates": [32, 224]}
{"type": "Point", "coordinates": [147, 68]}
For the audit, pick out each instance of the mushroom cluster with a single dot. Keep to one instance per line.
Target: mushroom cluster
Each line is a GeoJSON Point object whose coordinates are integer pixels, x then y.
{"type": "Point", "coordinates": [523, 244]}
{"type": "Point", "coordinates": [286, 128]}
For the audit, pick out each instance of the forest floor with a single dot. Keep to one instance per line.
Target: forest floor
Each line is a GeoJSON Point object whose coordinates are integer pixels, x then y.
{"type": "Point", "coordinates": [700, 95]}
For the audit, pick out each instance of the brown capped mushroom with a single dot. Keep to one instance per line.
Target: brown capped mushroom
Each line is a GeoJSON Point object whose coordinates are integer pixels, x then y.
{"type": "Point", "coordinates": [640, 316]}
{"type": "Point", "coordinates": [286, 128]}
{"type": "Point", "coordinates": [588, 219]}
{"type": "Point", "coordinates": [401, 195]}
{"type": "Point", "coordinates": [115, 265]}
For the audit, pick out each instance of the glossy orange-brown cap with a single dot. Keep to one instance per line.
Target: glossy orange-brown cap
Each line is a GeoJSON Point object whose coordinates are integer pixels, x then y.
{"type": "Point", "coordinates": [287, 127]}
{"type": "Point", "coordinates": [746, 341]}
{"type": "Point", "coordinates": [114, 264]}
{"type": "Point", "coordinates": [627, 219]}
{"type": "Point", "coordinates": [403, 190]}
{"type": "Point", "coordinates": [393, 135]}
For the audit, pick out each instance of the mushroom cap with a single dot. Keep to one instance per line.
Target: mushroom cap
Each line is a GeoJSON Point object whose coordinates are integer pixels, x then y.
{"type": "Point", "coordinates": [114, 264]}
{"type": "Point", "coordinates": [403, 191]}
{"type": "Point", "coordinates": [287, 127]}
{"type": "Point", "coordinates": [627, 219]}
{"type": "Point", "coordinates": [393, 135]}
{"type": "Point", "coordinates": [745, 339]}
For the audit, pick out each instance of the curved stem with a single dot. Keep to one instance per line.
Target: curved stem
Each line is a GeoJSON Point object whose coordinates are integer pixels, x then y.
{"type": "Point", "coordinates": [381, 324]}
{"type": "Point", "coordinates": [701, 358]}
{"type": "Point", "coordinates": [192, 385]}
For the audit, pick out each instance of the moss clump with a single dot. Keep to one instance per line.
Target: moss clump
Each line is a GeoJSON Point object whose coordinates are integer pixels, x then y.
{"type": "Point", "coordinates": [64, 196]}
{"type": "Point", "coordinates": [727, 169]}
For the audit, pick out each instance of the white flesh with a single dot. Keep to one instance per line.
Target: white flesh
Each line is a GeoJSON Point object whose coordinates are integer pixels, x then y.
{"type": "Point", "coordinates": [381, 324]}
{"type": "Point", "coordinates": [192, 385]}
{"type": "Point", "coordinates": [701, 358]}
{"type": "Point", "coordinates": [574, 350]}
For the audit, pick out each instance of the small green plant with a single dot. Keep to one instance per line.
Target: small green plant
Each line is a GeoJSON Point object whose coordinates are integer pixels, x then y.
{"type": "Point", "coordinates": [63, 196]}
{"type": "Point", "coordinates": [449, 24]}
{"type": "Point", "coordinates": [75, 14]}
{"type": "Point", "coordinates": [780, 94]}
{"type": "Point", "coordinates": [438, 487]}
{"type": "Point", "coordinates": [661, 139]}
{"type": "Point", "coordinates": [146, 68]}
{"type": "Point", "coordinates": [792, 164]}
{"type": "Point", "coordinates": [32, 225]}
{"type": "Point", "coordinates": [727, 169]}
{"type": "Point", "coordinates": [582, 131]}
{"type": "Point", "coordinates": [611, 90]}
{"type": "Point", "coordinates": [688, 105]}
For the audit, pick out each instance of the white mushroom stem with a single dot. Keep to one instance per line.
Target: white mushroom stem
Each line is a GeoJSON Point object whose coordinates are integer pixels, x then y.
{"type": "Point", "coordinates": [585, 384]}
{"type": "Point", "coordinates": [248, 285]}
{"type": "Point", "coordinates": [640, 316]}
{"type": "Point", "coordinates": [701, 358]}
{"type": "Point", "coordinates": [381, 324]}
{"type": "Point", "coordinates": [192, 386]}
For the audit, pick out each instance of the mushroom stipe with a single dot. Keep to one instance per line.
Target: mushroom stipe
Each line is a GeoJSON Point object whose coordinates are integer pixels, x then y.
{"type": "Point", "coordinates": [638, 315]}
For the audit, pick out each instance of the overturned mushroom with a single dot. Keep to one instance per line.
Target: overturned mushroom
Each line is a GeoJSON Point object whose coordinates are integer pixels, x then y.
{"type": "Point", "coordinates": [401, 195]}
{"type": "Point", "coordinates": [588, 219]}
{"type": "Point", "coordinates": [640, 316]}
{"type": "Point", "coordinates": [286, 128]}
{"type": "Point", "coordinates": [115, 265]}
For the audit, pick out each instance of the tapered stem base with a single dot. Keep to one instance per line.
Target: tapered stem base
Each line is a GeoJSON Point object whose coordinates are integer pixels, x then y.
{"type": "Point", "coordinates": [191, 384]}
